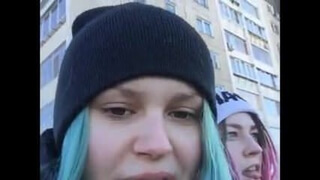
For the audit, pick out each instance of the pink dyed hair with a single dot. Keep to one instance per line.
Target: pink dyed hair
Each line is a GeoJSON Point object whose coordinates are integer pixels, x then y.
{"type": "Point", "coordinates": [269, 154]}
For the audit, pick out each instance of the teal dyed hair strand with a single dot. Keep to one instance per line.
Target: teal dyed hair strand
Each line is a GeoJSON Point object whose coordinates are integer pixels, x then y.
{"type": "Point", "coordinates": [214, 163]}
{"type": "Point", "coordinates": [74, 148]}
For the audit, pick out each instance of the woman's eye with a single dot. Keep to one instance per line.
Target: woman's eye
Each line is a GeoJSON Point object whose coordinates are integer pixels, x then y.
{"type": "Point", "coordinates": [182, 115]}
{"type": "Point", "coordinates": [255, 136]}
{"type": "Point", "coordinates": [232, 134]}
{"type": "Point", "coordinates": [118, 111]}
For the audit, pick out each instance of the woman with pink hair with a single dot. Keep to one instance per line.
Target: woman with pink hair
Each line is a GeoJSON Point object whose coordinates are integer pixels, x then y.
{"type": "Point", "coordinates": [248, 144]}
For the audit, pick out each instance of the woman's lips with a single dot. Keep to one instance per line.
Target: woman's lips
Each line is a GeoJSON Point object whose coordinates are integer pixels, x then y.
{"type": "Point", "coordinates": [152, 176]}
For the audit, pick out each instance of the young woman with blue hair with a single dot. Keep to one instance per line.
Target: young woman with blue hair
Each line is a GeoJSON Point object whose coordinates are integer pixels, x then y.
{"type": "Point", "coordinates": [135, 101]}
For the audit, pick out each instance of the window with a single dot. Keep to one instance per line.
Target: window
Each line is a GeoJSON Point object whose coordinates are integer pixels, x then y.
{"type": "Point", "coordinates": [271, 107]}
{"type": "Point", "coordinates": [199, 25]}
{"type": "Point", "coordinates": [270, 9]}
{"type": "Point", "coordinates": [224, 10]}
{"type": "Point", "coordinates": [263, 33]}
{"type": "Point", "coordinates": [46, 116]}
{"type": "Point", "coordinates": [43, 3]}
{"type": "Point", "coordinates": [265, 78]}
{"type": "Point", "coordinates": [237, 17]}
{"type": "Point", "coordinates": [252, 73]}
{"type": "Point", "coordinates": [276, 81]}
{"type": "Point", "coordinates": [236, 43]}
{"type": "Point", "coordinates": [46, 71]}
{"type": "Point", "coordinates": [275, 136]}
{"type": "Point", "coordinates": [220, 87]}
{"type": "Point", "coordinates": [242, 68]}
{"type": "Point", "coordinates": [235, 65]}
{"type": "Point", "coordinates": [62, 52]}
{"type": "Point", "coordinates": [246, 68]}
{"type": "Point", "coordinates": [207, 28]}
{"type": "Point", "coordinates": [268, 79]}
{"type": "Point", "coordinates": [261, 55]}
{"type": "Point", "coordinates": [204, 26]}
{"type": "Point", "coordinates": [56, 64]}
{"type": "Point", "coordinates": [235, 68]}
{"type": "Point", "coordinates": [171, 7]}
{"type": "Point", "coordinates": [255, 29]}
{"type": "Point", "coordinates": [214, 59]}
{"type": "Point", "coordinates": [235, 2]}
{"type": "Point", "coordinates": [57, 59]}
{"type": "Point", "coordinates": [54, 17]}
{"type": "Point", "coordinates": [249, 25]}
{"type": "Point", "coordinates": [50, 68]}
{"type": "Point", "coordinates": [62, 10]}
{"type": "Point", "coordinates": [46, 27]}
{"type": "Point", "coordinates": [41, 31]}
{"type": "Point", "coordinates": [249, 8]}
{"type": "Point", "coordinates": [275, 28]}
{"type": "Point", "coordinates": [203, 3]}
{"type": "Point", "coordinates": [251, 98]}
{"type": "Point", "coordinates": [231, 14]}
{"type": "Point", "coordinates": [241, 65]}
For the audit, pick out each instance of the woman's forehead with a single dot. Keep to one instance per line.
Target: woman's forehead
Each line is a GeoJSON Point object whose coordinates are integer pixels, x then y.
{"type": "Point", "coordinates": [240, 121]}
{"type": "Point", "coordinates": [153, 86]}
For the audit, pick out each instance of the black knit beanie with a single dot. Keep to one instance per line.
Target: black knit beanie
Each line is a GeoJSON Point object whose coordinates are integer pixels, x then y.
{"type": "Point", "coordinates": [114, 44]}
